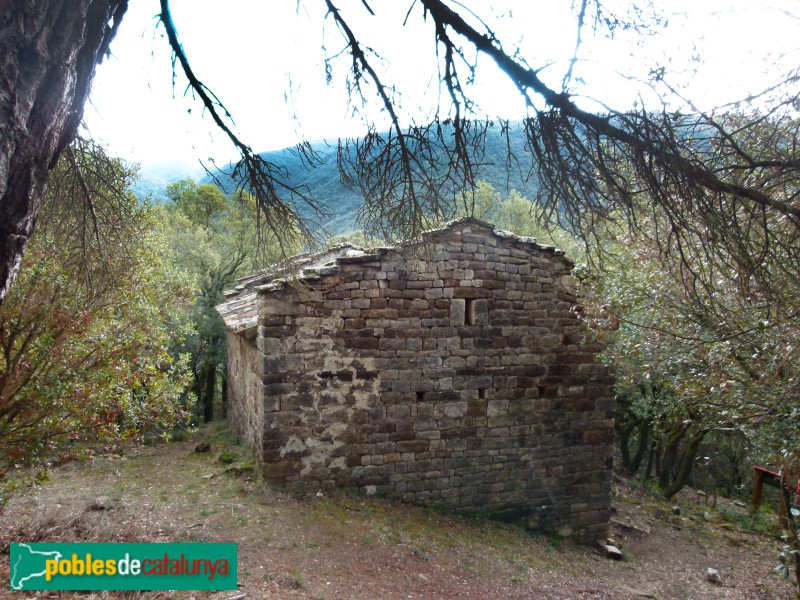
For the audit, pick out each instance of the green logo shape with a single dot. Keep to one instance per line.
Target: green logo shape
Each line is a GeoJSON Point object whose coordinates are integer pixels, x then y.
{"type": "Point", "coordinates": [134, 566]}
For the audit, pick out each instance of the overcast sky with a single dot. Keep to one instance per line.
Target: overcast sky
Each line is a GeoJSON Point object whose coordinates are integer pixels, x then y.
{"type": "Point", "coordinates": [265, 61]}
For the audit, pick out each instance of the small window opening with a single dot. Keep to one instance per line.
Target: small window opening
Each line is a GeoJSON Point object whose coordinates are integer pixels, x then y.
{"type": "Point", "coordinates": [420, 396]}
{"type": "Point", "coordinates": [469, 311]}
{"type": "Point", "coordinates": [482, 393]}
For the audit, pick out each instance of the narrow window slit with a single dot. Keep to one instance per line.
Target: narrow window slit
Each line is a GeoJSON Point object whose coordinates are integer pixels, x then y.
{"type": "Point", "coordinates": [469, 311]}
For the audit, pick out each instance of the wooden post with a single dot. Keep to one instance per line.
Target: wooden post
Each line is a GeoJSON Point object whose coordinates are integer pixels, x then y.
{"type": "Point", "coordinates": [783, 515]}
{"type": "Point", "coordinates": [771, 478]}
{"type": "Point", "coordinates": [758, 488]}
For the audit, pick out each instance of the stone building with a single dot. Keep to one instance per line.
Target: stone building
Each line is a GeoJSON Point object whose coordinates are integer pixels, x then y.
{"type": "Point", "coordinates": [451, 374]}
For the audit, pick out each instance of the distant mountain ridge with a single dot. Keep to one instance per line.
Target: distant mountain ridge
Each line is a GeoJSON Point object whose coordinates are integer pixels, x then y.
{"type": "Point", "coordinates": [154, 178]}
{"type": "Point", "coordinates": [325, 183]}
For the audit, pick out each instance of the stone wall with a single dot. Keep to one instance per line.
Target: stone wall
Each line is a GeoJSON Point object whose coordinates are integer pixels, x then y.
{"type": "Point", "coordinates": [245, 400]}
{"type": "Point", "coordinates": [455, 378]}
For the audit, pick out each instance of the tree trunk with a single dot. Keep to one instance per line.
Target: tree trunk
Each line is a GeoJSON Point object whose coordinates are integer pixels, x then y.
{"type": "Point", "coordinates": [792, 538]}
{"type": "Point", "coordinates": [650, 459]}
{"type": "Point", "coordinates": [632, 462]}
{"type": "Point", "coordinates": [667, 459]}
{"type": "Point", "coordinates": [49, 50]}
{"type": "Point", "coordinates": [224, 392]}
{"type": "Point", "coordinates": [624, 440]}
{"type": "Point", "coordinates": [210, 376]}
{"type": "Point", "coordinates": [643, 445]}
{"type": "Point", "coordinates": [685, 465]}
{"type": "Point", "coordinates": [667, 455]}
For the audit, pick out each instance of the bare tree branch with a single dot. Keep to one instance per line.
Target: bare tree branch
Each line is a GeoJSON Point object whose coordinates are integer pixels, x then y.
{"type": "Point", "coordinates": [277, 200]}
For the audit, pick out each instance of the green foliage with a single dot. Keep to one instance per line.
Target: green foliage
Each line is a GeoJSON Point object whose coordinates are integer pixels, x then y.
{"type": "Point", "coordinates": [86, 331]}
{"type": "Point", "coordinates": [693, 359]}
{"type": "Point", "coordinates": [297, 578]}
{"type": "Point", "coordinates": [213, 238]}
{"type": "Point", "coordinates": [228, 457]}
{"type": "Point", "coordinates": [203, 205]}
{"type": "Point", "coordinates": [517, 214]}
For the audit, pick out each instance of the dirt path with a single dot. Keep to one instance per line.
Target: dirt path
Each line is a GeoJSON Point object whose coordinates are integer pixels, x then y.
{"type": "Point", "coordinates": [341, 546]}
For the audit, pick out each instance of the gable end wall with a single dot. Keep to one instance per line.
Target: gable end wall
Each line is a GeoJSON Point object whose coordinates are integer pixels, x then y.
{"type": "Point", "coordinates": [456, 378]}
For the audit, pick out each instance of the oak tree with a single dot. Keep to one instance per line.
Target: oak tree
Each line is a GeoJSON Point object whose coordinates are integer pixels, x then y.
{"type": "Point", "coordinates": [87, 332]}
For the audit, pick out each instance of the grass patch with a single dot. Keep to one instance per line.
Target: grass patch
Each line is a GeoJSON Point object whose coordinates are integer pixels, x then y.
{"type": "Point", "coordinates": [228, 457]}
{"type": "Point", "coordinates": [764, 521]}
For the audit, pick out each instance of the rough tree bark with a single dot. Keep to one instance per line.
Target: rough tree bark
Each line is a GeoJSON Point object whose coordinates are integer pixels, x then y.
{"type": "Point", "coordinates": [49, 50]}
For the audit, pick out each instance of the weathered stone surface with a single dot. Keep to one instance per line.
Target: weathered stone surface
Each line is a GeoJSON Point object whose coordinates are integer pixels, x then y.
{"type": "Point", "coordinates": [246, 404]}
{"type": "Point", "coordinates": [611, 552]}
{"type": "Point", "coordinates": [459, 380]}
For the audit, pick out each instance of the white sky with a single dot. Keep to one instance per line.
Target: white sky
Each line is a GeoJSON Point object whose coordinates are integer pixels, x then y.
{"type": "Point", "coordinates": [265, 62]}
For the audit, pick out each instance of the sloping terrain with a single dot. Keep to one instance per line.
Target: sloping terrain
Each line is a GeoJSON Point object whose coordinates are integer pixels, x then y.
{"type": "Point", "coordinates": [342, 546]}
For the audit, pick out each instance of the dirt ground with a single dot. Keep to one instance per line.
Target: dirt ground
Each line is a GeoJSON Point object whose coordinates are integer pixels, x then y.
{"type": "Point", "coordinates": [341, 546]}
